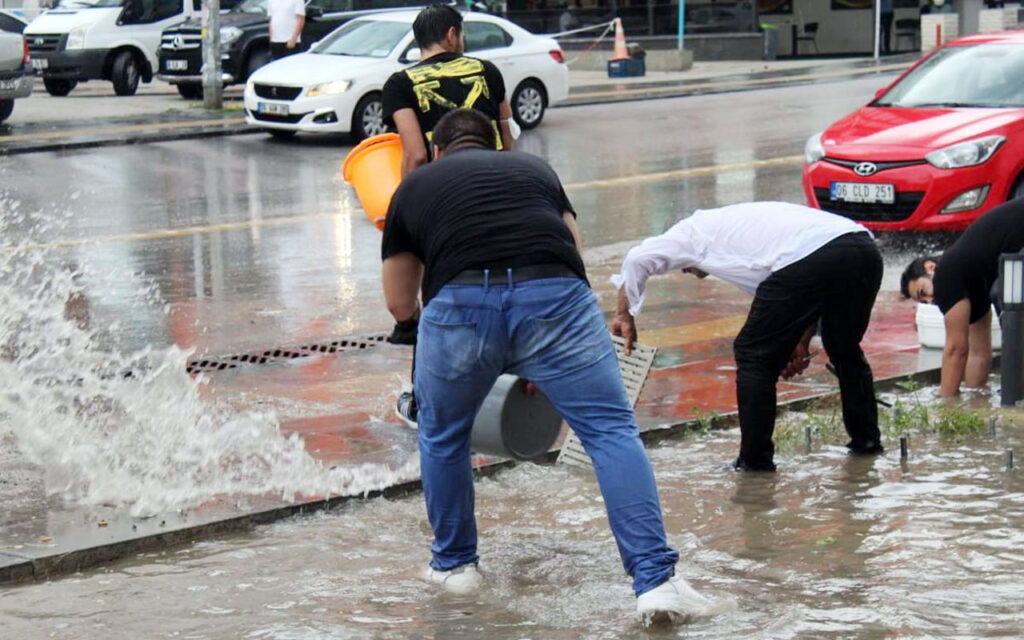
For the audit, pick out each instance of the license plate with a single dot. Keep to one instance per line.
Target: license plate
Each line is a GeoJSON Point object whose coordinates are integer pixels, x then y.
{"type": "Point", "coordinates": [864, 192]}
{"type": "Point", "coordinates": [40, 63]}
{"type": "Point", "coordinates": [272, 108]}
{"type": "Point", "coordinates": [177, 65]}
{"type": "Point", "coordinates": [8, 85]}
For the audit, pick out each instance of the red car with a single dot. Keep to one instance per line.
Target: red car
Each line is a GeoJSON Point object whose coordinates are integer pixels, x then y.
{"type": "Point", "coordinates": [937, 148]}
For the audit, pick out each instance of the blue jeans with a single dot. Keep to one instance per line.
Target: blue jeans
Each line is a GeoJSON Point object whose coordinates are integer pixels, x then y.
{"type": "Point", "coordinates": [549, 331]}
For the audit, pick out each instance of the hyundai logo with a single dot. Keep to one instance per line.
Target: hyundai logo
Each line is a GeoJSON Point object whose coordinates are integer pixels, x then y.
{"type": "Point", "coordinates": [273, 91]}
{"type": "Point", "coordinates": [40, 42]}
{"type": "Point", "coordinates": [865, 169]}
{"type": "Point", "coordinates": [178, 42]}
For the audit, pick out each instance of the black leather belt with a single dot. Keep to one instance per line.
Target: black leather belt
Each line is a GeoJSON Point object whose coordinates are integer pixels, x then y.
{"type": "Point", "coordinates": [518, 274]}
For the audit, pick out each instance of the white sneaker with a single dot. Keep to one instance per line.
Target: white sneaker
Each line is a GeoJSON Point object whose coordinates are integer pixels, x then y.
{"type": "Point", "coordinates": [460, 580]}
{"type": "Point", "coordinates": [673, 601]}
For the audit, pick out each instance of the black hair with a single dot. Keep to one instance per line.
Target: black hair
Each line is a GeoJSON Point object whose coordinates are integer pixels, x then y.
{"type": "Point", "coordinates": [463, 128]}
{"type": "Point", "coordinates": [914, 271]}
{"type": "Point", "coordinates": [433, 22]}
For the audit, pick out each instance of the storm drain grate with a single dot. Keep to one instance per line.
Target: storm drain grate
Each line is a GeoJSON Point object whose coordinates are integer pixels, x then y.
{"type": "Point", "coordinates": [634, 368]}
{"type": "Point", "coordinates": [221, 363]}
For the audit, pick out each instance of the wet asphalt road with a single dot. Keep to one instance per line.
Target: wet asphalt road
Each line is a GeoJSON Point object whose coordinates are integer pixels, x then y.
{"type": "Point", "coordinates": [228, 244]}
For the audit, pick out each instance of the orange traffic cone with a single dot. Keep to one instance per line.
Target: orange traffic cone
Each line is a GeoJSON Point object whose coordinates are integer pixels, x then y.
{"type": "Point", "coordinates": [621, 52]}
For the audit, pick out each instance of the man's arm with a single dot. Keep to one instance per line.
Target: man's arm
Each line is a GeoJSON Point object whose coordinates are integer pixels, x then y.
{"type": "Point", "coordinates": [402, 275]}
{"type": "Point", "coordinates": [414, 151]}
{"type": "Point", "coordinates": [671, 251]}
{"type": "Point", "coordinates": [954, 355]}
{"type": "Point", "coordinates": [624, 324]}
{"type": "Point", "coordinates": [504, 115]}
{"type": "Point", "coordinates": [300, 22]}
{"type": "Point", "coordinates": [979, 357]}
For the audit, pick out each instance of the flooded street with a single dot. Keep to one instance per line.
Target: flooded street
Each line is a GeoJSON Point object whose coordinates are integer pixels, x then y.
{"type": "Point", "coordinates": [831, 547]}
{"type": "Point", "coordinates": [120, 264]}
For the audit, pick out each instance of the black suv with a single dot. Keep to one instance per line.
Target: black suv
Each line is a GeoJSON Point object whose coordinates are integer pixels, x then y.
{"type": "Point", "coordinates": [245, 39]}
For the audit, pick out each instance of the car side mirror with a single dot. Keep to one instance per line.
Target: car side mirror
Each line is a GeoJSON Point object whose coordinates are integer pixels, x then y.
{"type": "Point", "coordinates": [312, 13]}
{"type": "Point", "coordinates": [412, 55]}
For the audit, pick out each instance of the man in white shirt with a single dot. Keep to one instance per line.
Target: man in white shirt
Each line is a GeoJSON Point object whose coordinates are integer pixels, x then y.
{"type": "Point", "coordinates": [802, 266]}
{"type": "Point", "coordinates": [287, 18]}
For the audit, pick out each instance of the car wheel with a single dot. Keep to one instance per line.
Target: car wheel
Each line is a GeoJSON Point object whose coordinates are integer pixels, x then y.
{"type": "Point", "coordinates": [281, 134]}
{"type": "Point", "coordinates": [125, 74]}
{"type": "Point", "coordinates": [59, 87]}
{"type": "Point", "coordinates": [6, 109]}
{"type": "Point", "coordinates": [190, 90]}
{"type": "Point", "coordinates": [528, 104]}
{"type": "Point", "coordinates": [257, 59]}
{"type": "Point", "coordinates": [368, 117]}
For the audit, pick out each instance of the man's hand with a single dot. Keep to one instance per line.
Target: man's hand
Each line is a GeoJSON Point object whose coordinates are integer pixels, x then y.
{"type": "Point", "coordinates": [798, 362]}
{"type": "Point", "coordinates": [801, 356]}
{"type": "Point", "coordinates": [624, 326]}
{"type": "Point", "coordinates": [290, 44]}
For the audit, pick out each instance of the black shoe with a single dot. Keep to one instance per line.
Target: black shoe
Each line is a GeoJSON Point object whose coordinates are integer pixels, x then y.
{"type": "Point", "coordinates": [869, 448]}
{"type": "Point", "coordinates": [407, 409]}
{"type": "Point", "coordinates": [743, 465]}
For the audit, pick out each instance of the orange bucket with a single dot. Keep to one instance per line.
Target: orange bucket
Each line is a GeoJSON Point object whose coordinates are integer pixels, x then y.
{"type": "Point", "coordinates": [374, 169]}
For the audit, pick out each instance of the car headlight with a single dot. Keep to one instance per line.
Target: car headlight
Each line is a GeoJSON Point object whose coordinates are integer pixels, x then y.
{"type": "Point", "coordinates": [813, 151]}
{"type": "Point", "coordinates": [329, 88]}
{"type": "Point", "coordinates": [229, 35]}
{"type": "Point", "coordinates": [965, 154]}
{"type": "Point", "coordinates": [76, 39]}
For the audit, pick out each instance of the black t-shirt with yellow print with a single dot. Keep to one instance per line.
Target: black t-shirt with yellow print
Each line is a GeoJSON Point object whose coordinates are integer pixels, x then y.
{"type": "Point", "coordinates": [442, 83]}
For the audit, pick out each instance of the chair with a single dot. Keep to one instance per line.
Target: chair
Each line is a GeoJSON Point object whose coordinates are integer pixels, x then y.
{"type": "Point", "coordinates": [809, 33]}
{"type": "Point", "coordinates": [908, 28]}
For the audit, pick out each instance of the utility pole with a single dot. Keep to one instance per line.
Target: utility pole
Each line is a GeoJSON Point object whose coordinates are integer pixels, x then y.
{"type": "Point", "coordinates": [212, 84]}
{"type": "Point", "coordinates": [878, 27]}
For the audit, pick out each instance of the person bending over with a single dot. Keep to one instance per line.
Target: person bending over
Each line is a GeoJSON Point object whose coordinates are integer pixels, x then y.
{"type": "Point", "coordinates": [491, 240]}
{"type": "Point", "coordinates": [961, 284]}
{"type": "Point", "coordinates": [802, 266]}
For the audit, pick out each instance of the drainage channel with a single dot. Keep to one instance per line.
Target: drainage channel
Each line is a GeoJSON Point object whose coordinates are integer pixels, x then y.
{"type": "Point", "coordinates": [221, 363]}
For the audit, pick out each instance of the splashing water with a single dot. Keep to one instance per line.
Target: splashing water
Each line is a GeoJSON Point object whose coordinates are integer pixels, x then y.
{"type": "Point", "coordinates": [129, 428]}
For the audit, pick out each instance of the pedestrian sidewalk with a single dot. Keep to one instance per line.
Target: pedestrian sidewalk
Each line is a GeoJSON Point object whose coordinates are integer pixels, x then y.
{"type": "Point", "coordinates": [93, 116]}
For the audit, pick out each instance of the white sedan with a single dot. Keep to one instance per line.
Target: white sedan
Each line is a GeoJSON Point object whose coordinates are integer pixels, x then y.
{"type": "Point", "coordinates": [335, 87]}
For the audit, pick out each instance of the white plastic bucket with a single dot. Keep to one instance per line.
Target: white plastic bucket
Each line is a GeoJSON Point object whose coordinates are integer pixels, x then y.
{"type": "Point", "coordinates": [931, 329]}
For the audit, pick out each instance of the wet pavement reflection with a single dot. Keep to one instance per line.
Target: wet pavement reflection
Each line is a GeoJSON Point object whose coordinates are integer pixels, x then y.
{"type": "Point", "coordinates": [836, 547]}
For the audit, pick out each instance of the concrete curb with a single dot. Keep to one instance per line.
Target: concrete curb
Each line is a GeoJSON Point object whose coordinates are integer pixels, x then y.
{"type": "Point", "coordinates": [71, 142]}
{"type": "Point", "coordinates": [709, 86]}
{"type": "Point", "coordinates": [25, 567]}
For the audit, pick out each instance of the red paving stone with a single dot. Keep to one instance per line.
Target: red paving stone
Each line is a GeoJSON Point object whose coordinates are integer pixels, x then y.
{"type": "Point", "coordinates": [349, 396]}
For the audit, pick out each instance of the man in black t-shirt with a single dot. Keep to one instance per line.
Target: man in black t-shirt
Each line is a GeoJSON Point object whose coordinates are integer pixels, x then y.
{"type": "Point", "coordinates": [492, 239]}
{"type": "Point", "coordinates": [960, 283]}
{"type": "Point", "coordinates": [416, 98]}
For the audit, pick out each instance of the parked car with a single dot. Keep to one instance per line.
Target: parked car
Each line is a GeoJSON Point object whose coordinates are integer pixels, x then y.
{"type": "Point", "coordinates": [934, 150]}
{"type": "Point", "coordinates": [15, 72]}
{"type": "Point", "coordinates": [113, 40]}
{"type": "Point", "coordinates": [12, 22]}
{"type": "Point", "coordinates": [336, 86]}
{"type": "Point", "coordinates": [245, 40]}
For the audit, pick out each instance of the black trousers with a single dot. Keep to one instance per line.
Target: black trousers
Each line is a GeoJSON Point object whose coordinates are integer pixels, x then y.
{"type": "Point", "coordinates": [885, 27]}
{"type": "Point", "coordinates": [280, 50]}
{"type": "Point", "coordinates": [837, 285]}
